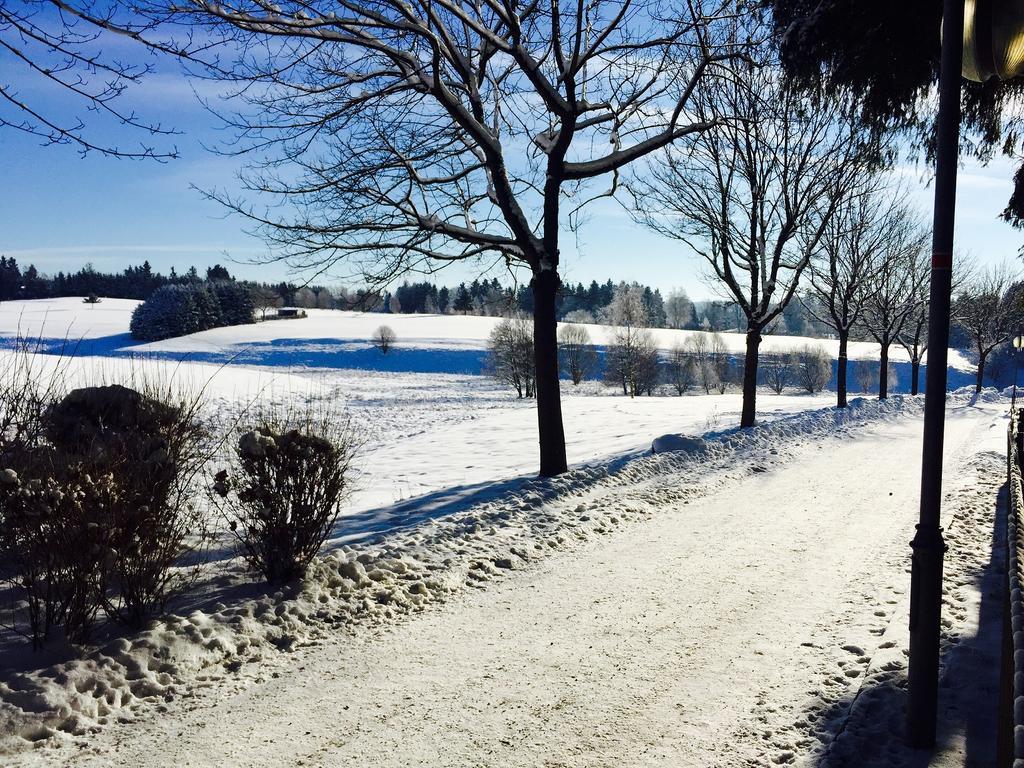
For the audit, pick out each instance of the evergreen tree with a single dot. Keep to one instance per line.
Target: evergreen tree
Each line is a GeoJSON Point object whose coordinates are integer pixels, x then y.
{"type": "Point", "coordinates": [463, 300]}
{"type": "Point", "coordinates": [10, 278]}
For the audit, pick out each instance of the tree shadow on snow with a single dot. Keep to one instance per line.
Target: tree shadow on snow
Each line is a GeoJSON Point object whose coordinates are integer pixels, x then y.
{"type": "Point", "coordinates": [866, 729]}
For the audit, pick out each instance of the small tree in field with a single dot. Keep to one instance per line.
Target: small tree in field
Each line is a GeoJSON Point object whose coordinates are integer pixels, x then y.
{"type": "Point", "coordinates": [777, 370]}
{"type": "Point", "coordinates": [92, 299]}
{"type": "Point", "coordinates": [576, 351]}
{"type": "Point", "coordinates": [384, 338]}
{"type": "Point", "coordinates": [511, 359]}
{"type": "Point", "coordinates": [699, 350]}
{"type": "Point", "coordinates": [813, 368]}
{"type": "Point", "coordinates": [866, 374]}
{"type": "Point", "coordinates": [632, 360]}
{"type": "Point", "coordinates": [680, 370]}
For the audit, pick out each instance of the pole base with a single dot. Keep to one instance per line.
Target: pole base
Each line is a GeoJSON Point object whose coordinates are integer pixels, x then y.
{"type": "Point", "coordinates": [929, 549]}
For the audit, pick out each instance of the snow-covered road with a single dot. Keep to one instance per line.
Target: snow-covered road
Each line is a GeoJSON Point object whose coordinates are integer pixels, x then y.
{"type": "Point", "coordinates": [729, 629]}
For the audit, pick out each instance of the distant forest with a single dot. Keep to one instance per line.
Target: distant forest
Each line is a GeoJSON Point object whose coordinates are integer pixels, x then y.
{"type": "Point", "coordinates": [577, 303]}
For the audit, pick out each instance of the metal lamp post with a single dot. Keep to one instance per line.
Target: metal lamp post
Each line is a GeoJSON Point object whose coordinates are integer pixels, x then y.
{"type": "Point", "coordinates": [989, 43]}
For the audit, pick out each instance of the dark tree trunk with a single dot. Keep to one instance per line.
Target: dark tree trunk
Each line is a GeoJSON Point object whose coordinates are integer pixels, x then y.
{"type": "Point", "coordinates": [883, 373]}
{"type": "Point", "coordinates": [749, 412]}
{"type": "Point", "coordinates": [841, 369]}
{"type": "Point", "coordinates": [981, 373]}
{"type": "Point", "coordinates": [545, 350]}
{"type": "Point", "coordinates": [915, 369]}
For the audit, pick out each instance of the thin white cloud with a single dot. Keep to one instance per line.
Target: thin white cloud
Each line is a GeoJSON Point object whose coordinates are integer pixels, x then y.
{"type": "Point", "coordinates": [61, 253]}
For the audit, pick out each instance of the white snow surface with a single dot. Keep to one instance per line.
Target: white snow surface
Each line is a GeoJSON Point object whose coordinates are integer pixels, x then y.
{"type": "Point", "coordinates": [70, 318]}
{"type": "Point", "coordinates": [743, 606]}
{"type": "Point", "coordinates": [739, 604]}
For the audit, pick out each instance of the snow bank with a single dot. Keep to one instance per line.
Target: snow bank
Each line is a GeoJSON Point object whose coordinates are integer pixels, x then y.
{"type": "Point", "coordinates": [400, 570]}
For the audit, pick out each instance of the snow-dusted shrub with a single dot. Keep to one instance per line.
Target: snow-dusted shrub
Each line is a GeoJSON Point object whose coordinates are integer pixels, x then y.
{"type": "Point", "coordinates": [147, 447]}
{"type": "Point", "coordinates": [575, 352]}
{"type": "Point", "coordinates": [237, 304]}
{"type": "Point", "coordinates": [384, 338]}
{"type": "Point", "coordinates": [170, 311]}
{"type": "Point", "coordinates": [511, 359]}
{"type": "Point", "coordinates": [92, 485]}
{"type": "Point", "coordinates": [284, 489]}
{"type": "Point", "coordinates": [51, 544]}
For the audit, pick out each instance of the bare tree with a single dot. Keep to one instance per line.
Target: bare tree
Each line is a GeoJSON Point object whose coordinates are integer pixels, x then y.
{"type": "Point", "coordinates": [813, 368]}
{"type": "Point", "coordinates": [699, 349]}
{"type": "Point", "coordinates": [576, 352]}
{"type": "Point", "coordinates": [990, 309]}
{"type": "Point", "coordinates": [632, 359]}
{"type": "Point", "coordinates": [777, 371]}
{"type": "Point", "coordinates": [678, 309]}
{"type": "Point", "coordinates": [754, 197]}
{"type": "Point", "coordinates": [914, 335]}
{"type": "Point", "coordinates": [65, 44]}
{"type": "Point", "coordinates": [265, 299]}
{"type": "Point", "coordinates": [680, 369]}
{"type": "Point", "coordinates": [841, 272]}
{"type": "Point", "coordinates": [721, 361]}
{"type": "Point", "coordinates": [511, 355]}
{"type": "Point", "coordinates": [896, 289]}
{"type": "Point", "coordinates": [420, 133]}
{"type": "Point", "coordinates": [384, 338]}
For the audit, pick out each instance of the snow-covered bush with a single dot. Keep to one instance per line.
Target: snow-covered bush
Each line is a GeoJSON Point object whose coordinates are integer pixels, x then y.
{"type": "Point", "coordinates": [284, 489]}
{"type": "Point", "coordinates": [51, 545]}
{"type": "Point", "coordinates": [237, 304]}
{"type": "Point", "coordinates": [170, 311]}
{"type": "Point", "coordinates": [93, 516]}
{"type": "Point", "coordinates": [148, 447]}
{"type": "Point", "coordinates": [511, 358]}
{"type": "Point", "coordinates": [384, 338]}
{"type": "Point", "coordinates": [575, 352]}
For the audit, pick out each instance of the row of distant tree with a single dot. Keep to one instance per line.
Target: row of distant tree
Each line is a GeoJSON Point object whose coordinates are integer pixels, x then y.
{"type": "Point", "coordinates": [578, 303]}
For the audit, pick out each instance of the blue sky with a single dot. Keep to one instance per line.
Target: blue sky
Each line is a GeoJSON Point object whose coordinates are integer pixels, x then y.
{"type": "Point", "coordinates": [60, 211]}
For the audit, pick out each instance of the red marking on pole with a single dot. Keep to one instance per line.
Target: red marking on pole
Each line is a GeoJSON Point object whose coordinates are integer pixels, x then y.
{"type": "Point", "coordinates": [942, 261]}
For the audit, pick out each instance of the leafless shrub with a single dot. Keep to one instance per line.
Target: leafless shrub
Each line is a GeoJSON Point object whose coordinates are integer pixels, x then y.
{"type": "Point", "coordinates": [777, 370]}
{"type": "Point", "coordinates": [284, 488]}
{"type": "Point", "coordinates": [680, 369]}
{"type": "Point", "coordinates": [632, 360]}
{"type": "Point", "coordinates": [510, 348]}
{"type": "Point", "coordinates": [384, 338]}
{"type": "Point", "coordinates": [93, 489]}
{"type": "Point", "coordinates": [813, 368]}
{"type": "Point", "coordinates": [576, 352]}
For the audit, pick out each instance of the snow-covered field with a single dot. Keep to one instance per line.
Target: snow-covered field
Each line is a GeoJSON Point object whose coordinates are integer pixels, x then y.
{"type": "Point", "coordinates": [743, 604]}
{"type": "Point", "coordinates": [334, 339]}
